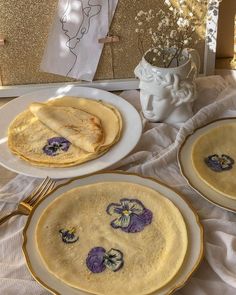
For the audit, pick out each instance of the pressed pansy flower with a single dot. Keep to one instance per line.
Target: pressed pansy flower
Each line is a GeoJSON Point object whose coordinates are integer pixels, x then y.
{"type": "Point", "coordinates": [131, 215]}
{"type": "Point", "coordinates": [98, 260]}
{"type": "Point", "coordinates": [219, 163]}
{"type": "Point", "coordinates": [68, 235]}
{"type": "Point", "coordinates": [95, 260]}
{"type": "Point", "coordinates": [113, 259]}
{"type": "Point", "coordinates": [55, 145]}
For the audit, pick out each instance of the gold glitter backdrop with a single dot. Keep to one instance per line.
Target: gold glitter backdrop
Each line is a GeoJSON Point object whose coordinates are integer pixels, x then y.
{"type": "Point", "coordinates": [25, 26]}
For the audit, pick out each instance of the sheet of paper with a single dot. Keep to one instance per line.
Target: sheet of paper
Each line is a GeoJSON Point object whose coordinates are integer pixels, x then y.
{"type": "Point", "coordinates": [73, 49]}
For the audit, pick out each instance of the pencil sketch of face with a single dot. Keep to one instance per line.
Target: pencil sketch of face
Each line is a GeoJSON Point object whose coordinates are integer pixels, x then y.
{"type": "Point", "coordinates": [75, 24]}
{"type": "Point", "coordinates": [76, 19]}
{"type": "Point", "coordinates": [70, 20]}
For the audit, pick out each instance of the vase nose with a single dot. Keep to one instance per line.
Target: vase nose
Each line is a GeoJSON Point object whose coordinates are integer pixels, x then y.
{"type": "Point", "coordinates": [147, 102]}
{"type": "Point", "coordinates": [150, 105]}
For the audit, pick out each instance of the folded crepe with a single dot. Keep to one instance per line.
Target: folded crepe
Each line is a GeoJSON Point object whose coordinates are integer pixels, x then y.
{"type": "Point", "coordinates": [33, 141]}
{"type": "Point", "coordinates": [82, 129]}
{"type": "Point", "coordinates": [112, 238]}
{"type": "Point", "coordinates": [109, 116]}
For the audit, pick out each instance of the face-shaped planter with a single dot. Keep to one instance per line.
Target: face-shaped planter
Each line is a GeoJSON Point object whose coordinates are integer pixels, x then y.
{"type": "Point", "coordinates": [166, 94]}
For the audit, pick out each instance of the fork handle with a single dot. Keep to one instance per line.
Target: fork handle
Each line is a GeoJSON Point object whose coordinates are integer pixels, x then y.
{"type": "Point", "coordinates": [5, 218]}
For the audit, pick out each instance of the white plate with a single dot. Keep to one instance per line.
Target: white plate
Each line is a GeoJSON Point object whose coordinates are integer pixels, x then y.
{"type": "Point", "coordinates": [195, 233]}
{"type": "Point", "coordinates": [132, 130]}
{"type": "Point", "coordinates": [188, 171]}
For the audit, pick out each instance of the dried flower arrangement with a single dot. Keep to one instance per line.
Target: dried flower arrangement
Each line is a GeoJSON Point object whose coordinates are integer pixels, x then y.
{"type": "Point", "coordinates": [176, 30]}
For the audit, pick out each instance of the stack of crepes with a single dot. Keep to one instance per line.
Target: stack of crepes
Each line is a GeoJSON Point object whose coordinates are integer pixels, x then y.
{"type": "Point", "coordinates": [65, 131]}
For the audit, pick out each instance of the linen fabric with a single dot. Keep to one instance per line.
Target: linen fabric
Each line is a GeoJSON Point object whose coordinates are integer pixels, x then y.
{"type": "Point", "coordinates": [156, 156]}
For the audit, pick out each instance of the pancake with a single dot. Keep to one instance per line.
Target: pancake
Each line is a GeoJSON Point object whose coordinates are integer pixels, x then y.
{"type": "Point", "coordinates": [213, 156]}
{"type": "Point", "coordinates": [110, 117]}
{"type": "Point", "coordinates": [33, 141]}
{"type": "Point", "coordinates": [112, 238]}
{"type": "Point", "coordinates": [80, 128]}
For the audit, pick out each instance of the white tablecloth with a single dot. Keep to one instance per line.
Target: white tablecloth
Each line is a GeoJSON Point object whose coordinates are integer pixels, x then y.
{"type": "Point", "coordinates": [155, 156]}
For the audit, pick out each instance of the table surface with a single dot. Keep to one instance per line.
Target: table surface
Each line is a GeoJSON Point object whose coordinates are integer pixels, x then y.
{"type": "Point", "coordinates": [217, 273]}
{"type": "Point", "coordinates": [5, 175]}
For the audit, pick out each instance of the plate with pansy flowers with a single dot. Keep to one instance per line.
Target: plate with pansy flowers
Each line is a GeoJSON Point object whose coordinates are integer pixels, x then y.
{"type": "Point", "coordinates": [128, 216]}
{"type": "Point", "coordinates": [130, 133]}
{"type": "Point", "coordinates": [207, 160]}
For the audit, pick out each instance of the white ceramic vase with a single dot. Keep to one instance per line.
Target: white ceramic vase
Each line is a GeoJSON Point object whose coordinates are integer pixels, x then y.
{"type": "Point", "coordinates": [167, 94]}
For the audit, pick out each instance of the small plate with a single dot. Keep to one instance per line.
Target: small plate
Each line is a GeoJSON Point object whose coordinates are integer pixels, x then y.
{"type": "Point", "coordinates": [188, 171]}
{"type": "Point", "coordinates": [131, 133]}
{"type": "Point", "coordinates": [194, 228]}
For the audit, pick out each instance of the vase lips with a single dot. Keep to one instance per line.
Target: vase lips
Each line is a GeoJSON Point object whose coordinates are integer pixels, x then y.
{"type": "Point", "coordinates": [150, 116]}
{"type": "Point", "coordinates": [149, 113]}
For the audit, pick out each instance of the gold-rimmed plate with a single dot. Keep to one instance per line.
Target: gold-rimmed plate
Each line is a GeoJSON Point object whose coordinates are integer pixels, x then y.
{"type": "Point", "coordinates": [189, 173]}
{"type": "Point", "coordinates": [194, 229]}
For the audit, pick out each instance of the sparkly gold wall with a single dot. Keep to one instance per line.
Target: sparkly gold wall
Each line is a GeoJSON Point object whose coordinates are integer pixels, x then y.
{"type": "Point", "coordinates": [25, 25]}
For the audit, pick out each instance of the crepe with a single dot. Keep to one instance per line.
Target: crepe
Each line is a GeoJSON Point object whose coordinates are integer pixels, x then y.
{"type": "Point", "coordinates": [112, 238]}
{"type": "Point", "coordinates": [80, 128]}
{"type": "Point", "coordinates": [213, 156]}
{"type": "Point", "coordinates": [33, 141]}
{"type": "Point", "coordinates": [110, 117]}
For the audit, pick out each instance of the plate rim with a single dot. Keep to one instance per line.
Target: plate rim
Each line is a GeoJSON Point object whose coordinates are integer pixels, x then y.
{"type": "Point", "coordinates": [197, 219]}
{"type": "Point", "coordinates": [41, 172]}
{"type": "Point", "coordinates": [183, 171]}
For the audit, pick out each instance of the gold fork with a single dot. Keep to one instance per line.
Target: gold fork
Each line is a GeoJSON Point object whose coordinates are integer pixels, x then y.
{"type": "Point", "coordinates": [27, 204]}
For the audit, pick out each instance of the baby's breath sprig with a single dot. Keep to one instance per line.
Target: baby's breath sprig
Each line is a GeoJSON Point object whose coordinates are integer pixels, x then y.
{"type": "Point", "coordinates": [177, 24]}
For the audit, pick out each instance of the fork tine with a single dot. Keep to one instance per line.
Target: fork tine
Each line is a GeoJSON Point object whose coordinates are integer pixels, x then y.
{"type": "Point", "coordinates": [43, 192]}
{"type": "Point", "coordinates": [37, 189]}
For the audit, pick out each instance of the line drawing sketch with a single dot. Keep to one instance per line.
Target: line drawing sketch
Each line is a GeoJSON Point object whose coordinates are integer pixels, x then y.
{"type": "Point", "coordinates": [87, 10]}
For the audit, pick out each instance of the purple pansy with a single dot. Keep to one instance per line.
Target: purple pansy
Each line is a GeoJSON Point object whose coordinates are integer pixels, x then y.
{"type": "Point", "coordinates": [219, 163]}
{"type": "Point", "coordinates": [131, 215]}
{"type": "Point", "coordinates": [68, 235]}
{"type": "Point", "coordinates": [56, 144]}
{"type": "Point", "coordinates": [98, 260]}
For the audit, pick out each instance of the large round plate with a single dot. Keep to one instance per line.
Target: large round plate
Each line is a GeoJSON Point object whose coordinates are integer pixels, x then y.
{"type": "Point", "coordinates": [189, 173]}
{"type": "Point", "coordinates": [194, 229]}
{"type": "Point", "coordinates": [132, 130]}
